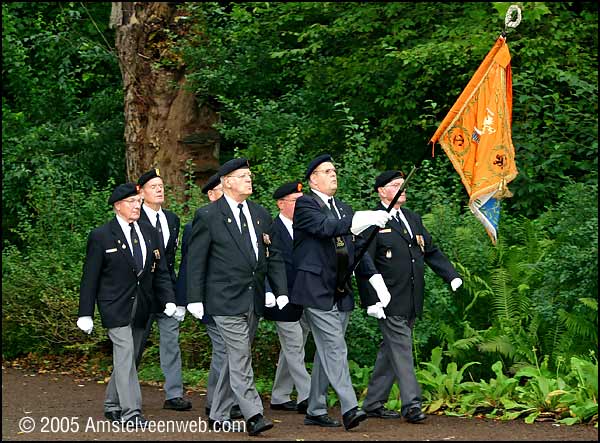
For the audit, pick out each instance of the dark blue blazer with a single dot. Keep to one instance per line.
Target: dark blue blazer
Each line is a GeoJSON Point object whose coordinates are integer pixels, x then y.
{"type": "Point", "coordinates": [284, 242]}
{"type": "Point", "coordinates": [223, 275]}
{"type": "Point", "coordinates": [315, 232]}
{"type": "Point", "coordinates": [401, 261]}
{"type": "Point", "coordinates": [109, 278]}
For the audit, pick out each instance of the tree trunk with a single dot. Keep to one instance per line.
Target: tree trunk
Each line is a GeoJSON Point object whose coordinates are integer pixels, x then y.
{"type": "Point", "coordinates": [164, 125]}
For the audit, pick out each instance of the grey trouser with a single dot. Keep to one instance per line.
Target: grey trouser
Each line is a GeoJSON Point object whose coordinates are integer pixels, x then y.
{"type": "Point", "coordinates": [217, 363]}
{"type": "Point", "coordinates": [291, 370]}
{"type": "Point", "coordinates": [123, 390]}
{"type": "Point", "coordinates": [237, 374]}
{"type": "Point", "coordinates": [331, 360]}
{"type": "Point", "coordinates": [394, 362]}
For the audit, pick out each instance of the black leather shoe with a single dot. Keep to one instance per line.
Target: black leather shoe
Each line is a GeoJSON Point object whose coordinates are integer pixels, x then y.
{"type": "Point", "coordinates": [258, 424]}
{"type": "Point", "coordinates": [113, 415]}
{"type": "Point", "coordinates": [324, 421]}
{"type": "Point", "coordinates": [178, 404]}
{"type": "Point", "coordinates": [137, 421]}
{"type": "Point", "coordinates": [207, 411]}
{"type": "Point", "coordinates": [382, 412]}
{"type": "Point", "coordinates": [302, 407]}
{"type": "Point", "coordinates": [236, 413]}
{"type": "Point", "coordinates": [287, 406]}
{"type": "Point", "coordinates": [353, 417]}
{"type": "Point", "coordinates": [415, 415]}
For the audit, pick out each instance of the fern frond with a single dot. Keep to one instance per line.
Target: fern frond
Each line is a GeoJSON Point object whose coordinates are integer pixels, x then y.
{"type": "Point", "coordinates": [500, 344]}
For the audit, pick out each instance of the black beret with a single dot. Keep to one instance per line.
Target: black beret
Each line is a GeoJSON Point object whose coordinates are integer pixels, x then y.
{"type": "Point", "coordinates": [123, 191]}
{"type": "Point", "coordinates": [316, 162]}
{"type": "Point", "coordinates": [147, 176]}
{"type": "Point", "coordinates": [212, 183]}
{"type": "Point", "coordinates": [385, 177]}
{"type": "Point", "coordinates": [287, 189]}
{"type": "Point", "coordinates": [232, 165]}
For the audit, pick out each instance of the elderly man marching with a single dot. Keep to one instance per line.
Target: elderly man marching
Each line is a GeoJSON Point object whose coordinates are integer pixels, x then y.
{"type": "Point", "coordinates": [291, 325]}
{"type": "Point", "coordinates": [125, 274]}
{"type": "Point", "coordinates": [400, 252]}
{"type": "Point", "coordinates": [325, 230]}
{"type": "Point", "coordinates": [167, 225]}
{"type": "Point", "coordinates": [229, 256]}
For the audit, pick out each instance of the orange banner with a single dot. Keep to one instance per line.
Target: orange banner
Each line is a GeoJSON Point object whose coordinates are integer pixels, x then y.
{"type": "Point", "coordinates": [476, 136]}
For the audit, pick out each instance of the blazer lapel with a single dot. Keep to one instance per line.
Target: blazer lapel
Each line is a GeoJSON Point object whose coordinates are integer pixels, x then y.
{"type": "Point", "coordinates": [172, 231]}
{"type": "Point", "coordinates": [121, 242]}
{"type": "Point", "coordinates": [258, 230]}
{"type": "Point", "coordinates": [149, 247]}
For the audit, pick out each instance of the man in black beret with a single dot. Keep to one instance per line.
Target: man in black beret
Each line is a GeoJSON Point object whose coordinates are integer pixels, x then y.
{"type": "Point", "coordinates": [400, 252]}
{"type": "Point", "coordinates": [214, 191]}
{"type": "Point", "coordinates": [124, 273]}
{"type": "Point", "coordinates": [291, 325]}
{"type": "Point", "coordinates": [230, 253]}
{"type": "Point", "coordinates": [167, 225]}
{"type": "Point", "coordinates": [325, 230]}
{"type": "Point", "coordinates": [213, 188]}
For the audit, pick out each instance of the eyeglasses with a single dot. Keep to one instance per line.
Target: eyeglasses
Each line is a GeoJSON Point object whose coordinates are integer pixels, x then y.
{"type": "Point", "coordinates": [393, 185]}
{"type": "Point", "coordinates": [249, 175]}
{"type": "Point", "coordinates": [327, 171]}
{"type": "Point", "coordinates": [133, 201]}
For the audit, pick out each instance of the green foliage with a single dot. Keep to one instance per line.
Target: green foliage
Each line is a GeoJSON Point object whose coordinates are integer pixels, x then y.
{"type": "Point", "coordinates": [274, 67]}
{"type": "Point", "coordinates": [61, 99]}
{"type": "Point", "coordinates": [494, 396]}
{"type": "Point", "coordinates": [532, 393]}
{"type": "Point", "coordinates": [41, 284]}
{"type": "Point", "coordinates": [442, 389]}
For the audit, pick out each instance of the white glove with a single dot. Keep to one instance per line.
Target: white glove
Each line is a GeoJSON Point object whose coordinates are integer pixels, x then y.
{"type": "Point", "coordinates": [376, 311]}
{"type": "Point", "coordinates": [383, 294]}
{"type": "Point", "coordinates": [282, 300]}
{"type": "Point", "coordinates": [170, 309]}
{"type": "Point", "coordinates": [270, 300]}
{"type": "Point", "coordinates": [196, 309]}
{"type": "Point", "coordinates": [363, 219]}
{"type": "Point", "coordinates": [179, 313]}
{"type": "Point", "coordinates": [86, 324]}
{"type": "Point", "coordinates": [456, 283]}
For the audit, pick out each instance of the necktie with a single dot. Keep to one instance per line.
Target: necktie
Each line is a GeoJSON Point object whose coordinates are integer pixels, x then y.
{"type": "Point", "coordinates": [403, 224]}
{"type": "Point", "coordinates": [137, 249]}
{"type": "Point", "coordinates": [246, 240]}
{"type": "Point", "coordinates": [159, 229]}
{"type": "Point", "coordinates": [333, 208]}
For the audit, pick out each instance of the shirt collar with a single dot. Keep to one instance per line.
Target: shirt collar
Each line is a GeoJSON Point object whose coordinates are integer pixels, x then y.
{"type": "Point", "coordinates": [286, 221]}
{"type": "Point", "coordinates": [124, 225]}
{"type": "Point", "coordinates": [233, 204]}
{"type": "Point", "coordinates": [322, 196]}
{"type": "Point", "coordinates": [151, 213]}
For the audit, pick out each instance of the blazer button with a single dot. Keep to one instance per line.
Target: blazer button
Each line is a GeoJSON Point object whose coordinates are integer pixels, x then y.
{"type": "Point", "coordinates": [409, 245]}
{"type": "Point", "coordinates": [413, 260]}
{"type": "Point", "coordinates": [250, 288]}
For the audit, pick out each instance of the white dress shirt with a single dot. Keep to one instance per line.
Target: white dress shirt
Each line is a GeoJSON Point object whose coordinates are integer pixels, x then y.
{"type": "Point", "coordinates": [151, 213]}
{"type": "Point", "coordinates": [289, 224]}
{"type": "Point", "coordinates": [127, 231]}
{"type": "Point", "coordinates": [236, 213]}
